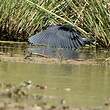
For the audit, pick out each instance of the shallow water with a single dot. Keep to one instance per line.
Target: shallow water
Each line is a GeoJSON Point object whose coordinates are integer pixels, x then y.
{"type": "Point", "coordinates": [80, 85]}
{"type": "Point", "coordinates": [83, 85]}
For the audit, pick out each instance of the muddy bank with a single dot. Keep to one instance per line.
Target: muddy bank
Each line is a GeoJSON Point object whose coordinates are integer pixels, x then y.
{"type": "Point", "coordinates": [46, 60]}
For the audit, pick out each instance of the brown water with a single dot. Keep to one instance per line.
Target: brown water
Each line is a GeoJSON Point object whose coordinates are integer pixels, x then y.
{"type": "Point", "coordinates": [80, 85]}
{"type": "Point", "coordinates": [83, 85]}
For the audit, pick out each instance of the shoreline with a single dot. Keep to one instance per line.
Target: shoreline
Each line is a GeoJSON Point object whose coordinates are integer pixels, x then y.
{"type": "Point", "coordinates": [45, 60]}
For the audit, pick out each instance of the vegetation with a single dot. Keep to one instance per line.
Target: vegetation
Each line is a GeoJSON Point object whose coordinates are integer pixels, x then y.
{"type": "Point", "coordinates": [21, 18]}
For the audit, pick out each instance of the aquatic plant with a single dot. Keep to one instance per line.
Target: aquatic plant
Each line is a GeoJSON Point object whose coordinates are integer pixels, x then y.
{"type": "Point", "coordinates": [21, 18]}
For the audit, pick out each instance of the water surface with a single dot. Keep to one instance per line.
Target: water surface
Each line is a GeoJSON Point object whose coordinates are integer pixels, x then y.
{"type": "Point", "coordinates": [80, 85]}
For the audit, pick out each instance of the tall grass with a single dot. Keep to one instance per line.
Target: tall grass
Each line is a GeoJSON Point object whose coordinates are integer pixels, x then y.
{"type": "Point", "coordinates": [21, 18]}
{"type": "Point", "coordinates": [97, 21]}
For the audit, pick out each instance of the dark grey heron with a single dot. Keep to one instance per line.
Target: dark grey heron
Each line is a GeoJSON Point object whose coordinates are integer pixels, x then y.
{"type": "Point", "coordinates": [60, 37]}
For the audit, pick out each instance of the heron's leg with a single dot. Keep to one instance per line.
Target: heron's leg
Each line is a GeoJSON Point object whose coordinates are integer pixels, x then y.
{"type": "Point", "coordinates": [60, 54]}
{"type": "Point", "coordinates": [28, 54]}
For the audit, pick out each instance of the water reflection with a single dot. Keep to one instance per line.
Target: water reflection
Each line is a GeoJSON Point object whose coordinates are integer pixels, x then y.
{"type": "Point", "coordinates": [85, 53]}
{"type": "Point", "coordinates": [55, 52]}
{"type": "Point", "coordinates": [12, 48]}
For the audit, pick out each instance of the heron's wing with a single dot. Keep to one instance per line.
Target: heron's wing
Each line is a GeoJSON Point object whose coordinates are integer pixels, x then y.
{"type": "Point", "coordinates": [77, 39]}
{"type": "Point", "coordinates": [56, 38]}
{"type": "Point", "coordinates": [70, 39]}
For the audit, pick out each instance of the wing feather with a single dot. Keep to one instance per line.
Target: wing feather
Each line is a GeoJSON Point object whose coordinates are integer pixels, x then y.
{"type": "Point", "coordinates": [57, 38]}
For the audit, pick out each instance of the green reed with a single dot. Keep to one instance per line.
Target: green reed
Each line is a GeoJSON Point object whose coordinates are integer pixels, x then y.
{"type": "Point", "coordinates": [22, 18]}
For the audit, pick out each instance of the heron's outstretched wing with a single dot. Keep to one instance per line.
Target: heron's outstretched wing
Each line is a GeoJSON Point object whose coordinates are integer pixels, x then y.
{"type": "Point", "coordinates": [58, 38]}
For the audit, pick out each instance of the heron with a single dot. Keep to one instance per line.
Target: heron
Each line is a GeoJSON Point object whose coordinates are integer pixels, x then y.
{"type": "Point", "coordinates": [60, 37]}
